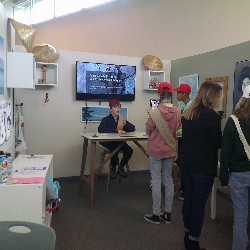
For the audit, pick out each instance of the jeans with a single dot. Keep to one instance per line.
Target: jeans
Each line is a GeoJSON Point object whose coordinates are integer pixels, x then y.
{"type": "Point", "coordinates": [161, 171]}
{"type": "Point", "coordinates": [126, 149]}
{"type": "Point", "coordinates": [197, 188]}
{"type": "Point", "coordinates": [239, 187]}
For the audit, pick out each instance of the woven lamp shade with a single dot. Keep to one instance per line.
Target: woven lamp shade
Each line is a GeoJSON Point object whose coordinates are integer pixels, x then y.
{"type": "Point", "coordinates": [152, 62]}
{"type": "Point", "coordinates": [25, 32]}
{"type": "Point", "coordinates": [45, 53]}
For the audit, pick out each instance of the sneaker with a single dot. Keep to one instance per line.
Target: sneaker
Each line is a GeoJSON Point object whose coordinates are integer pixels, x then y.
{"type": "Point", "coordinates": [193, 245]}
{"type": "Point", "coordinates": [152, 218]}
{"type": "Point", "coordinates": [121, 172]}
{"type": "Point", "coordinates": [186, 241]}
{"type": "Point", "coordinates": [113, 173]}
{"type": "Point", "coordinates": [181, 197]}
{"type": "Point", "coordinates": [166, 217]}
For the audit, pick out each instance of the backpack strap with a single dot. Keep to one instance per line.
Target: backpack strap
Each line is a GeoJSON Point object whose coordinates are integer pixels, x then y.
{"type": "Point", "coordinates": [241, 136]}
{"type": "Point", "coordinates": [163, 128]}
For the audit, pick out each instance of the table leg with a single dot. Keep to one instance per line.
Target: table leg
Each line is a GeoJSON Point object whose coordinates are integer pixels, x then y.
{"type": "Point", "coordinates": [92, 173]}
{"type": "Point", "coordinates": [213, 198]}
{"type": "Point", "coordinates": [140, 147]}
{"type": "Point", "coordinates": [84, 154]}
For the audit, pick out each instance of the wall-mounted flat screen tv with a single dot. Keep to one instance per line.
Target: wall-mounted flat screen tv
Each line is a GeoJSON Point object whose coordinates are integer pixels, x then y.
{"type": "Point", "coordinates": [99, 81]}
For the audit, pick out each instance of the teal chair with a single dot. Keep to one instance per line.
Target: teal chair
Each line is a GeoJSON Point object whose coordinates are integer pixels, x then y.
{"type": "Point", "coordinates": [20, 235]}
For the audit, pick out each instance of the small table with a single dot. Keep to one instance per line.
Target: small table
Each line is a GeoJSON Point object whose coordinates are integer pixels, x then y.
{"type": "Point", "coordinates": [104, 137]}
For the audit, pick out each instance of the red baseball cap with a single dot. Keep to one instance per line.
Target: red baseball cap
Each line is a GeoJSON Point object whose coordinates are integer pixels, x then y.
{"type": "Point", "coordinates": [165, 87]}
{"type": "Point", "coordinates": [112, 102]}
{"type": "Point", "coordinates": [185, 88]}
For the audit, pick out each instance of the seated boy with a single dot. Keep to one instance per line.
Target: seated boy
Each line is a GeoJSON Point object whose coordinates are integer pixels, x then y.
{"type": "Point", "coordinates": [116, 123]}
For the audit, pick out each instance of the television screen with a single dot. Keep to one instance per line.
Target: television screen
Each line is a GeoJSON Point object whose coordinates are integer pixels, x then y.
{"type": "Point", "coordinates": [98, 81]}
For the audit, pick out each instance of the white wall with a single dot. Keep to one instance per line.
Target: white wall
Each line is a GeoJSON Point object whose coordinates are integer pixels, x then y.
{"type": "Point", "coordinates": [55, 127]}
{"type": "Point", "coordinates": [169, 29]}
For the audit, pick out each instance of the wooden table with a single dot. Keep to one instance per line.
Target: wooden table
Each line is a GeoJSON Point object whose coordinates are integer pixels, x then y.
{"type": "Point", "coordinates": [100, 137]}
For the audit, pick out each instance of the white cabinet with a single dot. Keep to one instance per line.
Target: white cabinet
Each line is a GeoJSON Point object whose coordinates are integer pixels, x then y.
{"type": "Point", "coordinates": [20, 70]}
{"type": "Point", "coordinates": [151, 79]}
{"type": "Point", "coordinates": [27, 202]}
{"type": "Point", "coordinates": [24, 72]}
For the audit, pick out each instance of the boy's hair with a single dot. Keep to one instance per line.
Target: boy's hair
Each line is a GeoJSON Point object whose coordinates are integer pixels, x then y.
{"type": "Point", "coordinates": [113, 103]}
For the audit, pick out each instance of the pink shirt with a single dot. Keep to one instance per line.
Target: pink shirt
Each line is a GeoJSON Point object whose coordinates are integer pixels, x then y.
{"type": "Point", "coordinates": [157, 147]}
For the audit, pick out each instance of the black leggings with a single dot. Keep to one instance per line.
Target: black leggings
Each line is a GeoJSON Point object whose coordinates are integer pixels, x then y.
{"type": "Point", "coordinates": [126, 149]}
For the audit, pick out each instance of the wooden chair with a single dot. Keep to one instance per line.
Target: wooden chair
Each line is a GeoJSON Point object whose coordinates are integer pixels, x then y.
{"type": "Point", "coordinates": [106, 152]}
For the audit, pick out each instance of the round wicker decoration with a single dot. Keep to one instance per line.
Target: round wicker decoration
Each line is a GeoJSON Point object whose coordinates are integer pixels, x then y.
{"type": "Point", "coordinates": [152, 62]}
{"type": "Point", "coordinates": [25, 32]}
{"type": "Point", "coordinates": [45, 53]}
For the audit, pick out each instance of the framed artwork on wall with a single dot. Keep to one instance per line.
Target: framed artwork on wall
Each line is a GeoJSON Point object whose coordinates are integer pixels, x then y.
{"type": "Point", "coordinates": [223, 82]}
{"type": "Point", "coordinates": [241, 80]}
{"type": "Point", "coordinates": [95, 114]}
{"type": "Point", "coordinates": [192, 81]}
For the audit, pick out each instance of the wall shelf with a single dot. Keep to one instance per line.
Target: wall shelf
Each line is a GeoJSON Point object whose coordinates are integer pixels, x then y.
{"type": "Point", "coordinates": [151, 79]}
{"type": "Point", "coordinates": [50, 72]}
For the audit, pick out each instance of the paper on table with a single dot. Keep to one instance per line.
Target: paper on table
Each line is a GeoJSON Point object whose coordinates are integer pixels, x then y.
{"type": "Point", "coordinates": [127, 134]}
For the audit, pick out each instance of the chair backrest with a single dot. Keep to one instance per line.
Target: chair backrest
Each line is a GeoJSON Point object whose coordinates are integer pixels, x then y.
{"type": "Point", "coordinates": [16, 235]}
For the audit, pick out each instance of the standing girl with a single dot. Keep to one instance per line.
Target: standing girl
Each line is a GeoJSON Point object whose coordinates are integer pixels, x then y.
{"type": "Point", "coordinates": [198, 158]}
{"type": "Point", "coordinates": [161, 126]}
{"type": "Point", "coordinates": [235, 167]}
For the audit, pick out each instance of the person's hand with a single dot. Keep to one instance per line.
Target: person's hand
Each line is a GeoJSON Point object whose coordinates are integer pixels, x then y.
{"type": "Point", "coordinates": [120, 131]}
{"type": "Point", "coordinates": [119, 127]}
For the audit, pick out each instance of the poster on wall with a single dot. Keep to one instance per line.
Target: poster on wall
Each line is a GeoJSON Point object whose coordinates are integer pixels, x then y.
{"type": "Point", "coordinates": [95, 114]}
{"type": "Point", "coordinates": [192, 81]}
{"type": "Point", "coordinates": [241, 80]}
{"type": "Point", "coordinates": [1, 65]}
{"type": "Point", "coordinates": [5, 121]}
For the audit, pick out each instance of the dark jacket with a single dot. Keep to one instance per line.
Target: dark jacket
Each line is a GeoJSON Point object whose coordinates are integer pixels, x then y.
{"type": "Point", "coordinates": [233, 157]}
{"type": "Point", "coordinates": [109, 125]}
{"type": "Point", "coordinates": [201, 140]}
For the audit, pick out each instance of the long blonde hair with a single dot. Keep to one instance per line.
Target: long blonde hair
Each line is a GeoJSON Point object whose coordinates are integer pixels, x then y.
{"type": "Point", "coordinates": [243, 112]}
{"type": "Point", "coordinates": [205, 97]}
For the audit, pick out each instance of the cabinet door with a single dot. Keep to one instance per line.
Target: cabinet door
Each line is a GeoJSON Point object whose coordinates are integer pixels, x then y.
{"type": "Point", "coordinates": [24, 202]}
{"type": "Point", "coordinates": [20, 70]}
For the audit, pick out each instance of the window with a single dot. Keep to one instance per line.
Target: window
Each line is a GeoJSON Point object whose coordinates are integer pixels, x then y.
{"type": "Point", "coordinates": [22, 12]}
{"type": "Point", "coordinates": [42, 10]}
{"type": "Point", "coordinates": [36, 11]}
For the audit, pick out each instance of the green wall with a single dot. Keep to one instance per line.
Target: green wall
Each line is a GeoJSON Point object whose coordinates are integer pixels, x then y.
{"type": "Point", "coordinates": [212, 64]}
